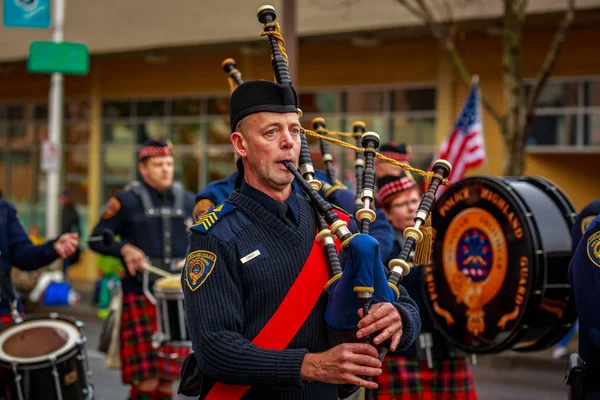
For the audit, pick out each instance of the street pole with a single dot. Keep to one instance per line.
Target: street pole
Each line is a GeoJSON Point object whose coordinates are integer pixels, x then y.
{"type": "Point", "coordinates": [289, 30]}
{"type": "Point", "coordinates": [55, 125]}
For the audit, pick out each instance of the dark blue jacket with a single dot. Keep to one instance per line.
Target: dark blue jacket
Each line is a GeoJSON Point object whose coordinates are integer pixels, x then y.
{"type": "Point", "coordinates": [124, 215]}
{"type": "Point", "coordinates": [17, 250]}
{"type": "Point", "coordinates": [584, 276]}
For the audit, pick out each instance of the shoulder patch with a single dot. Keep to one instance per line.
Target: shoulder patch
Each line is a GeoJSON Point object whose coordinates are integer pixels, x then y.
{"type": "Point", "coordinates": [210, 218]}
{"type": "Point", "coordinates": [199, 265]}
{"type": "Point", "coordinates": [585, 222]}
{"type": "Point", "coordinates": [593, 248]}
{"type": "Point", "coordinates": [201, 208]}
{"type": "Point", "coordinates": [111, 208]}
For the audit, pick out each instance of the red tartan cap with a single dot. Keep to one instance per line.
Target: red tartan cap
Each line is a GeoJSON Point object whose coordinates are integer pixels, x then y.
{"type": "Point", "coordinates": [155, 148]}
{"type": "Point", "coordinates": [391, 185]}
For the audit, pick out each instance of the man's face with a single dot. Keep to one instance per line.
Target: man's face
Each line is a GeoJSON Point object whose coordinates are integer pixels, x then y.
{"type": "Point", "coordinates": [383, 168]}
{"type": "Point", "coordinates": [401, 211]}
{"type": "Point", "coordinates": [267, 140]}
{"type": "Point", "coordinates": [158, 172]}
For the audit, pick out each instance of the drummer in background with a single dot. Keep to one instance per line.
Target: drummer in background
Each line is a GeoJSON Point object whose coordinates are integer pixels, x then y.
{"type": "Point", "coordinates": [584, 276]}
{"type": "Point", "coordinates": [429, 368]}
{"type": "Point", "coordinates": [152, 219]}
{"type": "Point", "coordinates": [16, 249]}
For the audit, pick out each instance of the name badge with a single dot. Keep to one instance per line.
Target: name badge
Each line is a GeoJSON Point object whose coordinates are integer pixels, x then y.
{"type": "Point", "coordinates": [250, 256]}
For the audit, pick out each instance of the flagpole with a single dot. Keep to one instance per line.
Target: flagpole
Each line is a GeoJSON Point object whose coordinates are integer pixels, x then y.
{"type": "Point", "coordinates": [475, 81]}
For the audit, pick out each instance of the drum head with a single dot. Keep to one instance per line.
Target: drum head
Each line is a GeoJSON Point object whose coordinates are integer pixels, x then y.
{"type": "Point", "coordinates": [485, 281]}
{"type": "Point", "coordinates": [33, 341]}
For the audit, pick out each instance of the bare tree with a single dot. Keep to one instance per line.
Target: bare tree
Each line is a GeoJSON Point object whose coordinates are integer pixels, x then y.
{"type": "Point", "coordinates": [516, 128]}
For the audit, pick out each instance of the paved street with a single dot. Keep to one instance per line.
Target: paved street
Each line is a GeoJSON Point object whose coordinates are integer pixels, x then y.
{"type": "Point", "coordinates": [509, 376]}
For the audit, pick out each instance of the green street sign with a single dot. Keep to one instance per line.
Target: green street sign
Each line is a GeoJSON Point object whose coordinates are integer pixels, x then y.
{"type": "Point", "coordinates": [66, 58]}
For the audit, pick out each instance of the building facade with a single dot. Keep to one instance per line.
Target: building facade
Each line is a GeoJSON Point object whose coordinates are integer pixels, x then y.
{"type": "Point", "coordinates": [401, 85]}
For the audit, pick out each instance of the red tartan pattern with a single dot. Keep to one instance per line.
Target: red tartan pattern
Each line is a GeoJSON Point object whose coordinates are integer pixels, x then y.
{"type": "Point", "coordinates": [139, 360]}
{"type": "Point", "coordinates": [409, 379]}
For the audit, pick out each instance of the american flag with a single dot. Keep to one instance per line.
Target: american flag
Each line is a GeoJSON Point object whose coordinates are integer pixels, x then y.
{"type": "Point", "coordinates": [464, 147]}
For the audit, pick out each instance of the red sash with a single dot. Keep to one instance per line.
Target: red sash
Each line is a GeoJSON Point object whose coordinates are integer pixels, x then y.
{"type": "Point", "coordinates": [289, 317]}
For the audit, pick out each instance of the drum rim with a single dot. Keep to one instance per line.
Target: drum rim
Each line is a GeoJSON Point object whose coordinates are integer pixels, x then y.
{"type": "Point", "coordinates": [513, 338]}
{"type": "Point", "coordinates": [73, 335]}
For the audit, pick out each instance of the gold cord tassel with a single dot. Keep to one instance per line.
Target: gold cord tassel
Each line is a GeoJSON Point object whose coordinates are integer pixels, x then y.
{"type": "Point", "coordinates": [424, 247]}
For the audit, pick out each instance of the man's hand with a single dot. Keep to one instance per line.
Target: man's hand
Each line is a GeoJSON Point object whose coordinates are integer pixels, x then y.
{"type": "Point", "coordinates": [343, 364]}
{"type": "Point", "coordinates": [66, 244]}
{"type": "Point", "coordinates": [382, 317]}
{"type": "Point", "coordinates": [134, 258]}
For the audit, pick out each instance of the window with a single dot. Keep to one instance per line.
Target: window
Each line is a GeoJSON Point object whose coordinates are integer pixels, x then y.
{"type": "Point", "coordinates": [200, 131]}
{"type": "Point", "coordinates": [23, 128]}
{"type": "Point", "coordinates": [567, 113]}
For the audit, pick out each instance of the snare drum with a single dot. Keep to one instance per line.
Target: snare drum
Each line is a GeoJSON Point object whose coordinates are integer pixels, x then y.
{"type": "Point", "coordinates": [44, 357]}
{"type": "Point", "coordinates": [170, 314]}
{"type": "Point", "coordinates": [499, 278]}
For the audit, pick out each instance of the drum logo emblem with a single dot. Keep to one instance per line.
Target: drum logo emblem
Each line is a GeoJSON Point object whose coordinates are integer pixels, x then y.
{"type": "Point", "coordinates": [593, 248]}
{"type": "Point", "coordinates": [475, 262]}
{"type": "Point", "coordinates": [198, 266]}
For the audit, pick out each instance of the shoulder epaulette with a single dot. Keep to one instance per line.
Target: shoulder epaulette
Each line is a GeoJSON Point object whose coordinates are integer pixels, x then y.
{"type": "Point", "coordinates": [339, 208]}
{"type": "Point", "coordinates": [213, 215]}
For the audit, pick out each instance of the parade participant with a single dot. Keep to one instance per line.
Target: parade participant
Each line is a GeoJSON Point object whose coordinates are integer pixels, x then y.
{"type": "Point", "coordinates": [582, 221]}
{"type": "Point", "coordinates": [151, 218]}
{"type": "Point", "coordinates": [16, 249]}
{"type": "Point", "coordinates": [429, 368]}
{"type": "Point", "coordinates": [247, 255]}
{"type": "Point", "coordinates": [584, 276]}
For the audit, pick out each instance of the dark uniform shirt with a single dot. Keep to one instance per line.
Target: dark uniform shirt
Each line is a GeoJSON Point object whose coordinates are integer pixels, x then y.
{"type": "Point", "coordinates": [16, 249]}
{"type": "Point", "coordinates": [246, 261]}
{"type": "Point", "coordinates": [126, 217]}
{"type": "Point", "coordinates": [584, 275]}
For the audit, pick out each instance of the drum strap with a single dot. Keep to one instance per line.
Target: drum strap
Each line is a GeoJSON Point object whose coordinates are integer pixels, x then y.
{"type": "Point", "coordinates": [289, 317]}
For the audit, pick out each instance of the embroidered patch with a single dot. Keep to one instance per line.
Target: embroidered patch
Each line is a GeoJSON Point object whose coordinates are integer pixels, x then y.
{"type": "Point", "coordinates": [210, 219]}
{"type": "Point", "coordinates": [593, 248]}
{"type": "Point", "coordinates": [111, 208]}
{"type": "Point", "coordinates": [198, 266]}
{"type": "Point", "coordinates": [586, 222]}
{"type": "Point", "coordinates": [202, 208]}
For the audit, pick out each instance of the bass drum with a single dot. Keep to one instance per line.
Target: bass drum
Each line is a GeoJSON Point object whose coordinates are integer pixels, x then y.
{"type": "Point", "coordinates": [499, 277]}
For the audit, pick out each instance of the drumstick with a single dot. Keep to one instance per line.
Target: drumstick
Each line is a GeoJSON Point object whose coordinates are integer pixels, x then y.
{"type": "Point", "coordinates": [181, 264]}
{"type": "Point", "coordinates": [157, 271]}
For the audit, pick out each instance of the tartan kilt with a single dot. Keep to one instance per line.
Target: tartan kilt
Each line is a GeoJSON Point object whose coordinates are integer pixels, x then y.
{"type": "Point", "coordinates": [139, 360]}
{"type": "Point", "coordinates": [410, 379]}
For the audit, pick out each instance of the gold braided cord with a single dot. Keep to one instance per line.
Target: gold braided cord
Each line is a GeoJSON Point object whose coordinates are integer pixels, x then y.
{"type": "Point", "coordinates": [428, 175]}
{"type": "Point", "coordinates": [276, 33]}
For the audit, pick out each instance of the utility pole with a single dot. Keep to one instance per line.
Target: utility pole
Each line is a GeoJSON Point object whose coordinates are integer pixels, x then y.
{"type": "Point", "coordinates": [55, 124]}
{"type": "Point", "coordinates": [290, 33]}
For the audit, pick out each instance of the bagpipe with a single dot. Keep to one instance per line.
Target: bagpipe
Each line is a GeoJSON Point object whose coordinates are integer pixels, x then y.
{"type": "Point", "coordinates": [358, 276]}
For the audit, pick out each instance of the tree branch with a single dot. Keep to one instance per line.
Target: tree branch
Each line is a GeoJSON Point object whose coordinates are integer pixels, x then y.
{"type": "Point", "coordinates": [549, 61]}
{"type": "Point", "coordinates": [422, 12]}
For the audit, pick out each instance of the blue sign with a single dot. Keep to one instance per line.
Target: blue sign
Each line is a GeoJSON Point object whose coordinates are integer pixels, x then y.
{"type": "Point", "coordinates": [26, 13]}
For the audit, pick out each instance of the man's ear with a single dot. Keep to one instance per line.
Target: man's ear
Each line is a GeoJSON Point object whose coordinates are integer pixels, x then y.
{"type": "Point", "coordinates": [239, 144]}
